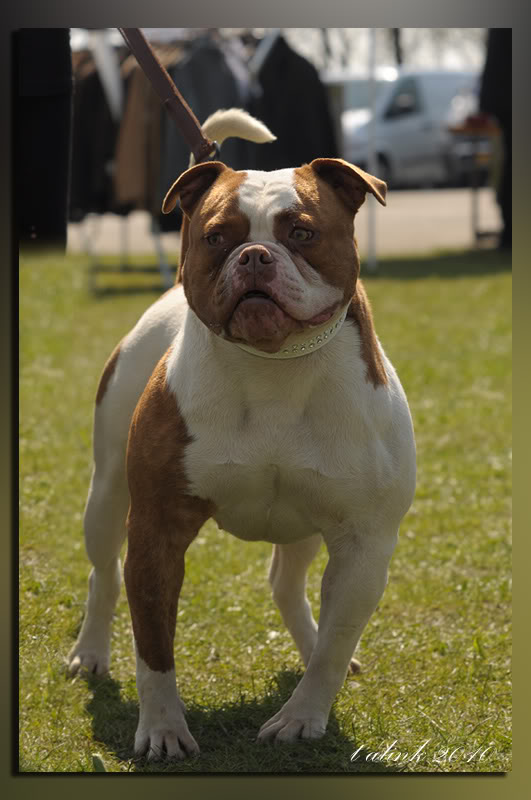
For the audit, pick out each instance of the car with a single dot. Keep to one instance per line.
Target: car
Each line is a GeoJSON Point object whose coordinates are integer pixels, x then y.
{"type": "Point", "coordinates": [410, 128]}
{"type": "Point", "coordinates": [350, 91]}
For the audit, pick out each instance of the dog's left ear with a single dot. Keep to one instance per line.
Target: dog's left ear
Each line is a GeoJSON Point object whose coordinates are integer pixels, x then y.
{"type": "Point", "coordinates": [351, 182]}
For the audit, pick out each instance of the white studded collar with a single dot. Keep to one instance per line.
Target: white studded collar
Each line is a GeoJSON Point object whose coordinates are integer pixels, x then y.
{"type": "Point", "coordinates": [305, 342]}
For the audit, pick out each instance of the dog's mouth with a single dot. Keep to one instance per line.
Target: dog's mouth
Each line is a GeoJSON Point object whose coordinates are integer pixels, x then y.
{"type": "Point", "coordinates": [254, 294]}
{"type": "Point", "coordinates": [257, 318]}
{"type": "Point", "coordinates": [262, 301]}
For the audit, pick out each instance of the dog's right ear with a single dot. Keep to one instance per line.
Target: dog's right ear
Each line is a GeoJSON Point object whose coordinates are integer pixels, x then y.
{"type": "Point", "coordinates": [191, 185]}
{"type": "Point", "coordinates": [349, 181]}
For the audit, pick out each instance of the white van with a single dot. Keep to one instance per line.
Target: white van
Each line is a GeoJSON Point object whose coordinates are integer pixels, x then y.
{"type": "Point", "coordinates": [412, 140]}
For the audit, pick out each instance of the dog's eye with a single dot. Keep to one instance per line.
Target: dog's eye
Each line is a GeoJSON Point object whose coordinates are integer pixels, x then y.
{"type": "Point", "coordinates": [215, 239]}
{"type": "Point", "coordinates": [301, 234]}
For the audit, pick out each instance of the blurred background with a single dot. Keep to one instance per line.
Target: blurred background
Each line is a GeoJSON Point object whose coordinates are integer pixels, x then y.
{"type": "Point", "coordinates": [415, 106]}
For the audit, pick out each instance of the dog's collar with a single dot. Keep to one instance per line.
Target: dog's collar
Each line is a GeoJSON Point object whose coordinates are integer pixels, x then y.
{"type": "Point", "coordinates": [305, 342]}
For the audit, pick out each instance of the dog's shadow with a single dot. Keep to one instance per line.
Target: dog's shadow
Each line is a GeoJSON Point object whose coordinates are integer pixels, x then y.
{"type": "Point", "coordinates": [226, 735]}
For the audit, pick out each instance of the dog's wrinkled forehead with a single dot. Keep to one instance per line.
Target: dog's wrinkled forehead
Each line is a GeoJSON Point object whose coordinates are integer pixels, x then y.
{"type": "Point", "coordinates": [262, 196]}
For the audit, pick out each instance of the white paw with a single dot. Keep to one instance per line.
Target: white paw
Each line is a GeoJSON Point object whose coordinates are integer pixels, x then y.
{"type": "Point", "coordinates": [172, 740]}
{"type": "Point", "coordinates": [92, 656]}
{"type": "Point", "coordinates": [288, 725]}
{"type": "Point", "coordinates": [162, 730]}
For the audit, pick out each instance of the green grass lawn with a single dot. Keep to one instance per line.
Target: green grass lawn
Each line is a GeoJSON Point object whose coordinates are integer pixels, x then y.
{"type": "Point", "coordinates": [436, 653]}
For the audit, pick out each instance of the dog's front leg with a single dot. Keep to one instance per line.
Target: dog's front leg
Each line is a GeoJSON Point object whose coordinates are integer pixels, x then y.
{"type": "Point", "coordinates": [163, 520]}
{"type": "Point", "coordinates": [154, 572]}
{"type": "Point", "coordinates": [353, 582]}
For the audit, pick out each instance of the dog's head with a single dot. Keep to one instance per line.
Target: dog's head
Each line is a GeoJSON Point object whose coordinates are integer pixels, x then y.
{"type": "Point", "coordinates": [270, 254]}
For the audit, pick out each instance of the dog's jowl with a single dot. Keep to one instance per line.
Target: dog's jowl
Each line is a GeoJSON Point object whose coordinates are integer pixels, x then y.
{"type": "Point", "coordinates": [255, 392]}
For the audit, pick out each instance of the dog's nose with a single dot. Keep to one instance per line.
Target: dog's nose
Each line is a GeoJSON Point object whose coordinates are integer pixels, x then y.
{"type": "Point", "coordinates": [255, 256]}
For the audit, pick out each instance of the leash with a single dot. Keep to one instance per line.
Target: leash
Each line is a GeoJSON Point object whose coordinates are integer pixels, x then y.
{"type": "Point", "coordinates": [171, 98]}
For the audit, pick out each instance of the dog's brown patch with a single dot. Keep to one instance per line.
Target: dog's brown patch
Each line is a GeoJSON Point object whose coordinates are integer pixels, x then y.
{"type": "Point", "coordinates": [216, 210]}
{"type": "Point", "coordinates": [163, 519]}
{"type": "Point", "coordinates": [360, 311]}
{"type": "Point", "coordinates": [334, 254]}
{"type": "Point", "coordinates": [337, 258]}
{"type": "Point", "coordinates": [208, 189]}
{"type": "Point", "coordinates": [107, 373]}
{"type": "Point", "coordinates": [349, 181]}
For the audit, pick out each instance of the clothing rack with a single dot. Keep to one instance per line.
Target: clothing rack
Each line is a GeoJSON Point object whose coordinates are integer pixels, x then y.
{"type": "Point", "coordinates": [127, 151]}
{"type": "Point", "coordinates": [105, 47]}
{"type": "Point", "coordinates": [97, 268]}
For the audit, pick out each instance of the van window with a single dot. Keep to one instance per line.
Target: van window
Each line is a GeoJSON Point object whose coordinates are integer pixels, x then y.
{"type": "Point", "coordinates": [405, 99]}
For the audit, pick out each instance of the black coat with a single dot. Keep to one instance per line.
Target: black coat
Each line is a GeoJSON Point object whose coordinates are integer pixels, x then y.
{"type": "Point", "coordinates": [207, 84]}
{"type": "Point", "coordinates": [294, 104]}
{"type": "Point", "coordinates": [496, 83]}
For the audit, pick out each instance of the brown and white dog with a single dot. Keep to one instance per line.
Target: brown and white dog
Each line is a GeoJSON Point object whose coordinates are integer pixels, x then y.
{"type": "Point", "coordinates": [257, 393]}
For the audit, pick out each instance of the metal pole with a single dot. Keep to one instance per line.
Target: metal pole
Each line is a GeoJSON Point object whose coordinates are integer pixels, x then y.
{"type": "Point", "coordinates": [474, 179]}
{"type": "Point", "coordinates": [164, 267]}
{"type": "Point", "coordinates": [372, 263]}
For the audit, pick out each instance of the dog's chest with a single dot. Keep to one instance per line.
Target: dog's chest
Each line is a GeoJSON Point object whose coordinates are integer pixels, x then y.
{"type": "Point", "coordinates": [268, 482]}
{"type": "Point", "coordinates": [269, 485]}
{"type": "Point", "coordinates": [281, 460]}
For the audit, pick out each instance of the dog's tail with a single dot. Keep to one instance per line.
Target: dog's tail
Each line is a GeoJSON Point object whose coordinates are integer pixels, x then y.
{"type": "Point", "coordinates": [229, 122]}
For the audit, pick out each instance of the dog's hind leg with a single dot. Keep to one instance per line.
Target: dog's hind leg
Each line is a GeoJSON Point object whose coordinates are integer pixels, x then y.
{"type": "Point", "coordinates": [352, 584]}
{"type": "Point", "coordinates": [105, 531]}
{"type": "Point", "coordinates": [287, 576]}
{"type": "Point", "coordinates": [105, 516]}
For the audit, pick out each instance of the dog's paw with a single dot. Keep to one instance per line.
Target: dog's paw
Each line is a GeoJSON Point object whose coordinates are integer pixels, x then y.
{"type": "Point", "coordinates": [287, 726]}
{"type": "Point", "coordinates": [172, 741]}
{"type": "Point", "coordinates": [94, 657]}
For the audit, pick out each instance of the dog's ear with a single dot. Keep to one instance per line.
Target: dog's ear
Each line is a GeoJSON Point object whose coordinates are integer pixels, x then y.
{"type": "Point", "coordinates": [350, 182]}
{"type": "Point", "coordinates": [191, 185]}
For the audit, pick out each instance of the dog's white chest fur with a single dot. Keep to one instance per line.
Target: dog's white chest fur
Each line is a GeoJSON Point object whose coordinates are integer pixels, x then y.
{"type": "Point", "coordinates": [288, 450]}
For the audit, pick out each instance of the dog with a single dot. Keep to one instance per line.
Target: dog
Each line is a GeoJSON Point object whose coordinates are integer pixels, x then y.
{"type": "Point", "coordinates": [254, 392]}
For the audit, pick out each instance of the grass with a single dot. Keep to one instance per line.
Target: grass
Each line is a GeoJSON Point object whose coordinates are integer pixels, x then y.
{"type": "Point", "coordinates": [435, 654]}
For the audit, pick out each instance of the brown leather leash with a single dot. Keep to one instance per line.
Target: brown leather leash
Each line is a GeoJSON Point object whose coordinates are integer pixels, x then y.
{"type": "Point", "coordinates": [172, 100]}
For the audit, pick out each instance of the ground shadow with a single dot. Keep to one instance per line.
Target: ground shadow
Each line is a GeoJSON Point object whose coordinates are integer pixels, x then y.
{"type": "Point", "coordinates": [114, 718]}
{"type": "Point", "coordinates": [467, 263]}
{"type": "Point", "coordinates": [227, 735]}
{"type": "Point", "coordinates": [104, 292]}
{"type": "Point", "coordinates": [110, 280]}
